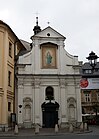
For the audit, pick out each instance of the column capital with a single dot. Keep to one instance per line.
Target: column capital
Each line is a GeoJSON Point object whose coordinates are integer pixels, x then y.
{"type": "Point", "coordinates": [62, 83]}
{"type": "Point", "coordinates": [37, 84]}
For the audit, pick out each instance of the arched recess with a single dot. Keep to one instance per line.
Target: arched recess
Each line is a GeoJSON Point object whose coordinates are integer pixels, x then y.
{"type": "Point", "coordinates": [49, 55]}
{"type": "Point", "coordinates": [27, 116]}
{"type": "Point", "coordinates": [71, 109]}
{"type": "Point", "coordinates": [27, 109]}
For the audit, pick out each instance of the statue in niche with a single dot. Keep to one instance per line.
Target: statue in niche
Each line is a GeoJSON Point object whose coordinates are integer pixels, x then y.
{"type": "Point", "coordinates": [49, 58]}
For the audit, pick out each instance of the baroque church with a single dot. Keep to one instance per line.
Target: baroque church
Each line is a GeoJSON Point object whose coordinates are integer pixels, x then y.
{"type": "Point", "coordinates": [48, 78]}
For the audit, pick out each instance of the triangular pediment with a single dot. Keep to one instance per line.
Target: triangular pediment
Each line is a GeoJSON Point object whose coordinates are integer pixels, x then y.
{"type": "Point", "coordinates": [49, 32]}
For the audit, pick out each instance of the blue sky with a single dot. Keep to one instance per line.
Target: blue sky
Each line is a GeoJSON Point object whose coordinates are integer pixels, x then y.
{"type": "Point", "coordinates": [77, 20]}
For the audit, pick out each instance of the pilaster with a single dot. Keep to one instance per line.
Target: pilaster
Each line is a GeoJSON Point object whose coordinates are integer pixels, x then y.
{"type": "Point", "coordinates": [37, 104]}
{"type": "Point", "coordinates": [78, 97]}
{"type": "Point", "coordinates": [5, 82]}
{"type": "Point", "coordinates": [20, 102]}
{"type": "Point", "coordinates": [63, 100]}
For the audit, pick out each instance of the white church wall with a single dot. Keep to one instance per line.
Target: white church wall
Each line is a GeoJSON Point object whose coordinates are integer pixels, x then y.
{"type": "Point", "coordinates": [62, 78]}
{"type": "Point", "coordinates": [65, 63]}
{"type": "Point", "coordinates": [37, 94]}
{"type": "Point", "coordinates": [25, 69]}
{"type": "Point", "coordinates": [27, 89]}
{"type": "Point", "coordinates": [26, 58]}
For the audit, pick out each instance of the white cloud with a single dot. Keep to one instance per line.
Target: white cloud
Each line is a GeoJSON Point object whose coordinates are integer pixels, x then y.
{"type": "Point", "coordinates": [77, 20]}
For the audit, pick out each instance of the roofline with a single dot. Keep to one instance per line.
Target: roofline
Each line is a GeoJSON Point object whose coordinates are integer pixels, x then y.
{"type": "Point", "coordinates": [45, 29]}
{"type": "Point", "coordinates": [3, 23]}
{"type": "Point", "coordinates": [25, 41]}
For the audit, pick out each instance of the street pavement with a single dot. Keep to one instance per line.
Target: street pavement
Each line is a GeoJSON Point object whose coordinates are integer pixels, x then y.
{"type": "Point", "coordinates": [93, 133]}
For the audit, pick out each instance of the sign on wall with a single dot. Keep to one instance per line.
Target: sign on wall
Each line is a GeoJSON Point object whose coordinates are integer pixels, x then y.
{"type": "Point", "coordinates": [89, 83]}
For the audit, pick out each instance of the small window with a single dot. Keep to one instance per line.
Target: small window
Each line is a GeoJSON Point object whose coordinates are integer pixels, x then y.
{"type": "Point", "coordinates": [87, 97]}
{"type": "Point", "coordinates": [87, 71]}
{"type": "Point", "coordinates": [9, 106]}
{"type": "Point", "coordinates": [49, 93]}
{"type": "Point", "coordinates": [9, 78]}
{"type": "Point", "coordinates": [10, 49]}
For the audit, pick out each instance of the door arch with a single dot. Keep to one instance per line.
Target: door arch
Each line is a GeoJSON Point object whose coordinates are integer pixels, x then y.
{"type": "Point", "coordinates": [50, 114]}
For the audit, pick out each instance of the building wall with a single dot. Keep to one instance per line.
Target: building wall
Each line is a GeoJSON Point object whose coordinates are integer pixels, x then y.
{"type": "Point", "coordinates": [1, 58]}
{"type": "Point", "coordinates": [1, 71]}
{"type": "Point", "coordinates": [35, 75]}
{"type": "Point", "coordinates": [7, 37]}
{"type": "Point", "coordinates": [32, 92]}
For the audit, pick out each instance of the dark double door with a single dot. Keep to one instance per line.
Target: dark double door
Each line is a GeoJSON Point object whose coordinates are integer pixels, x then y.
{"type": "Point", "coordinates": [50, 115]}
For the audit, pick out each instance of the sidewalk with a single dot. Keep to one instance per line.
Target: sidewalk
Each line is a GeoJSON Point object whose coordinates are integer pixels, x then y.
{"type": "Point", "coordinates": [43, 132]}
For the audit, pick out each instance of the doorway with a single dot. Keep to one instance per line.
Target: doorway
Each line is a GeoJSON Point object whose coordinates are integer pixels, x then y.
{"type": "Point", "coordinates": [50, 114]}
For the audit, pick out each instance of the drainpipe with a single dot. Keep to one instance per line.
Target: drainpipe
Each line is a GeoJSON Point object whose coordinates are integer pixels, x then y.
{"type": "Point", "coordinates": [15, 61]}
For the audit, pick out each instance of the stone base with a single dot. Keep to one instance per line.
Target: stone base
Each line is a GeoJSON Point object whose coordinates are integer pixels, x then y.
{"type": "Point", "coordinates": [4, 127]}
{"type": "Point", "coordinates": [71, 126]}
{"type": "Point", "coordinates": [26, 125]}
{"type": "Point", "coordinates": [64, 125]}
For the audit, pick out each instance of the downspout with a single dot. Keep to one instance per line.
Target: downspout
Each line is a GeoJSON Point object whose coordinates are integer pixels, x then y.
{"type": "Point", "coordinates": [15, 61]}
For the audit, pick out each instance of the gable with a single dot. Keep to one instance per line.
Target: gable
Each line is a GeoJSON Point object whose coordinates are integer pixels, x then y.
{"type": "Point", "coordinates": [49, 32]}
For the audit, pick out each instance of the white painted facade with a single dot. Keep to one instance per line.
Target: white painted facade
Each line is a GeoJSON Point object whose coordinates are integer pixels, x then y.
{"type": "Point", "coordinates": [35, 75]}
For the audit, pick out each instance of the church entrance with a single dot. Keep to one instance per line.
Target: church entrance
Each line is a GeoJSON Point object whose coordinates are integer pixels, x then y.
{"type": "Point", "coordinates": [50, 114]}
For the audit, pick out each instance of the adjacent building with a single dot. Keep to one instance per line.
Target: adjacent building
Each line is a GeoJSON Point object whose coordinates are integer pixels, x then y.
{"type": "Point", "coordinates": [10, 46]}
{"type": "Point", "coordinates": [90, 92]}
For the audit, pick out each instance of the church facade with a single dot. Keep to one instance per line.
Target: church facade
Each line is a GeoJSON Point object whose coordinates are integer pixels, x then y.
{"type": "Point", "coordinates": [48, 90]}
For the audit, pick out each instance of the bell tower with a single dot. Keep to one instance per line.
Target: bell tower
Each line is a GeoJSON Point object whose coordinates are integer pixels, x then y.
{"type": "Point", "coordinates": [37, 28]}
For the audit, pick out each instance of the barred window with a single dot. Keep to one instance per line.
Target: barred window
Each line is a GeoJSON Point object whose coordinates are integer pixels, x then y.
{"type": "Point", "coordinates": [9, 106]}
{"type": "Point", "coordinates": [10, 49]}
{"type": "Point", "coordinates": [9, 78]}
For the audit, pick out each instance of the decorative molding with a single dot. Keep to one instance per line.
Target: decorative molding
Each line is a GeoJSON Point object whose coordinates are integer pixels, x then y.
{"type": "Point", "coordinates": [71, 101]}
{"type": "Point", "coordinates": [63, 83]}
{"type": "Point", "coordinates": [37, 83]}
{"type": "Point", "coordinates": [78, 85]}
{"type": "Point", "coordinates": [27, 99]}
{"type": "Point", "coordinates": [63, 116]}
{"type": "Point", "coordinates": [1, 91]}
{"type": "Point", "coordinates": [20, 86]}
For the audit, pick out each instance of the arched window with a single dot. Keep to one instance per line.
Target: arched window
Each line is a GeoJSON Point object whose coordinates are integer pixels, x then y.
{"type": "Point", "coordinates": [49, 93]}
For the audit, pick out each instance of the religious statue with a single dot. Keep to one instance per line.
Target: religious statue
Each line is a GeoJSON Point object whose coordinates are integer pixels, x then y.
{"type": "Point", "coordinates": [49, 58]}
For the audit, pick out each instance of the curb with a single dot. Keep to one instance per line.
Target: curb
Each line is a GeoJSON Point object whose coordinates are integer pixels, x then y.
{"type": "Point", "coordinates": [42, 134]}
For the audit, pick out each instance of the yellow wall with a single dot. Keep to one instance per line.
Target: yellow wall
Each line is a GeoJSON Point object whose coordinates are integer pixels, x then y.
{"type": "Point", "coordinates": [10, 67]}
{"type": "Point", "coordinates": [6, 64]}
{"type": "Point", "coordinates": [1, 58]}
{"type": "Point", "coordinates": [1, 71]}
